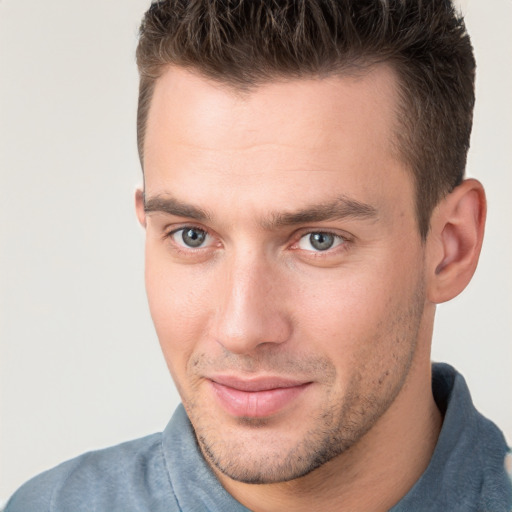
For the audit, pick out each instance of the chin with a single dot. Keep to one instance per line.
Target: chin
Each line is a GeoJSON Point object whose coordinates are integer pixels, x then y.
{"type": "Point", "coordinates": [257, 451]}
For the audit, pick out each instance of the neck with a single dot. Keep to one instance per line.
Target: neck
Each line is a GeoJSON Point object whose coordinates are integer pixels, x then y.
{"type": "Point", "coordinates": [372, 475]}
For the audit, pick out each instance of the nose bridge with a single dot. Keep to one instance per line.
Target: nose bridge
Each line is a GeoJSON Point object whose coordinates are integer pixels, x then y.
{"type": "Point", "coordinates": [250, 312]}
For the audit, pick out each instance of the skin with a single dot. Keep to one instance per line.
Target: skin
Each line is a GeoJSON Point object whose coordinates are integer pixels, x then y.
{"type": "Point", "coordinates": [257, 173]}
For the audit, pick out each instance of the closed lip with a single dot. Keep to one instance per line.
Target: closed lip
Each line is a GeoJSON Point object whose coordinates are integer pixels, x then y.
{"type": "Point", "coordinates": [257, 397]}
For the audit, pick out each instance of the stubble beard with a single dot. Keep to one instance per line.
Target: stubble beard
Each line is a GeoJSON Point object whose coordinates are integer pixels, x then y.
{"type": "Point", "coordinates": [335, 429]}
{"type": "Point", "coordinates": [326, 441]}
{"type": "Point", "coordinates": [334, 432]}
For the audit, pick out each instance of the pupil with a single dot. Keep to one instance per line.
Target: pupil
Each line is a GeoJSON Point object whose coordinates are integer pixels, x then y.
{"type": "Point", "coordinates": [321, 241]}
{"type": "Point", "coordinates": [193, 237]}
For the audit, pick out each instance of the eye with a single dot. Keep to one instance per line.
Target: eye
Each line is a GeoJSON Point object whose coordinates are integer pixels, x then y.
{"type": "Point", "coordinates": [319, 241]}
{"type": "Point", "coordinates": [190, 237]}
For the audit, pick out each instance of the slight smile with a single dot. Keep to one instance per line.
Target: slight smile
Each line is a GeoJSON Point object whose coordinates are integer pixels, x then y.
{"type": "Point", "coordinates": [255, 398]}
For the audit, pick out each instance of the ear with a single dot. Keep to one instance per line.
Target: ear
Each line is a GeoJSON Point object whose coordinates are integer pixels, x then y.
{"type": "Point", "coordinates": [139, 207]}
{"type": "Point", "coordinates": [455, 240]}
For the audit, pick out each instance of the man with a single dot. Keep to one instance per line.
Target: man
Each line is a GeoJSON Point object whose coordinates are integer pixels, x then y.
{"type": "Point", "coordinates": [305, 210]}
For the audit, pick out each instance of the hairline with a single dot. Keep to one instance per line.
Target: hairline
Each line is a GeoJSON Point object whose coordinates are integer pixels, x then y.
{"type": "Point", "coordinates": [401, 149]}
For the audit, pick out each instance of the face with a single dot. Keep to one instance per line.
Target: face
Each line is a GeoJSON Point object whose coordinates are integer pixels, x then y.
{"type": "Point", "coordinates": [284, 268]}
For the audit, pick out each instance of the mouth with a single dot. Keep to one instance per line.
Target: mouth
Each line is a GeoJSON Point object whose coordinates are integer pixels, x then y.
{"type": "Point", "coordinates": [256, 398]}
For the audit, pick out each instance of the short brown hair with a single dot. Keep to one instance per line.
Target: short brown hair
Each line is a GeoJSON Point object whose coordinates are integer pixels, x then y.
{"type": "Point", "coordinates": [244, 43]}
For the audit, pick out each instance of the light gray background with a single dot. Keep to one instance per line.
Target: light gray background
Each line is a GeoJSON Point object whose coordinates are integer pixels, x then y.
{"type": "Point", "coordinates": [80, 363]}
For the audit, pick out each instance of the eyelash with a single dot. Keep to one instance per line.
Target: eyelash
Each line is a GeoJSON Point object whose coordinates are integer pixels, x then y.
{"type": "Point", "coordinates": [183, 248]}
{"type": "Point", "coordinates": [343, 241]}
{"type": "Point", "coordinates": [309, 238]}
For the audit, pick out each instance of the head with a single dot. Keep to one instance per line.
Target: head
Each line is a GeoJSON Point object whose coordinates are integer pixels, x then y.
{"type": "Point", "coordinates": [304, 214]}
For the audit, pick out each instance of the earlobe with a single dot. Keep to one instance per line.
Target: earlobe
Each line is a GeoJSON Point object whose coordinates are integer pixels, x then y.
{"type": "Point", "coordinates": [455, 240]}
{"type": "Point", "coordinates": [139, 207]}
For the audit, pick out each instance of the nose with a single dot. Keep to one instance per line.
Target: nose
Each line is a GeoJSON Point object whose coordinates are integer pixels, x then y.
{"type": "Point", "coordinates": [251, 309]}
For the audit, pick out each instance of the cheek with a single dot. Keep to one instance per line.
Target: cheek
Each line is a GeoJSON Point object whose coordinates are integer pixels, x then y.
{"type": "Point", "coordinates": [357, 316]}
{"type": "Point", "coordinates": [339, 317]}
{"type": "Point", "coordinates": [179, 308]}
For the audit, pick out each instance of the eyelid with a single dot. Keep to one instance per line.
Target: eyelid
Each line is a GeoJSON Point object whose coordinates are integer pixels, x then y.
{"type": "Point", "coordinates": [345, 240]}
{"type": "Point", "coordinates": [337, 241]}
{"type": "Point", "coordinates": [169, 234]}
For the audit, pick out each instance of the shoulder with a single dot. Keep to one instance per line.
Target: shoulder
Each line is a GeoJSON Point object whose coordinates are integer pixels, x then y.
{"type": "Point", "coordinates": [129, 476]}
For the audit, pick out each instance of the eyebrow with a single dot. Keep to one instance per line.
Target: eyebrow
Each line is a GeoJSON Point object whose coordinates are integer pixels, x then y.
{"type": "Point", "coordinates": [341, 208]}
{"type": "Point", "coordinates": [171, 206]}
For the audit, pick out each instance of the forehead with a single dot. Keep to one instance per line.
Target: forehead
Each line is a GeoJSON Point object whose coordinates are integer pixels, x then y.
{"type": "Point", "coordinates": [277, 138]}
{"type": "Point", "coordinates": [330, 105]}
